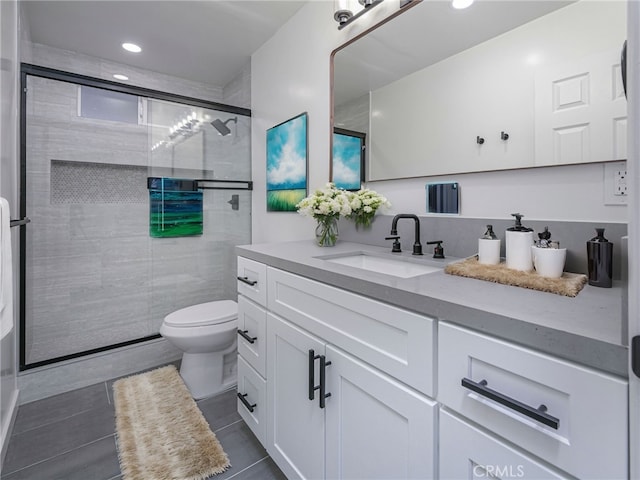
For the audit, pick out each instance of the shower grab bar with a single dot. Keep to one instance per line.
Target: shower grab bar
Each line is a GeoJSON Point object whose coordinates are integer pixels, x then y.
{"type": "Point", "coordinates": [17, 223]}
{"type": "Point", "coordinates": [248, 186]}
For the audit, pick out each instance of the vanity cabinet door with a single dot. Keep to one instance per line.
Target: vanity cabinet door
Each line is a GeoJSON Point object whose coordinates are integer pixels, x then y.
{"type": "Point", "coordinates": [252, 334]}
{"type": "Point", "coordinates": [573, 417]}
{"type": "Point", "coordinates": [467, 452]}
{"type": "Point", "coordinates": [295, 424]}
{"type": "Point", "coordinates": [252, 280]}
{"type": "Point", "coordinates": [376, 427]}
{"type": "Point", "coordinates": [252, 395]}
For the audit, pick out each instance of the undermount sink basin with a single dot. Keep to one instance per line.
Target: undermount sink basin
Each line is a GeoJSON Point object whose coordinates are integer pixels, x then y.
{"type": "Point", "coordinates": [397, 267]}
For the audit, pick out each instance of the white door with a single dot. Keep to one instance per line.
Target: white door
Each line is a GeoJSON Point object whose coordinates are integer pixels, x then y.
{"type": "Point", "coordinates": [376, 428]}
{"type": "Point", "coordinates": [295, 424]}
{"type": "Point", "coordinates": [633, 168]}
{"type": "Point", "coordinates": [467, 452]}
{"type": "Point", "coordinates": [580, 111]}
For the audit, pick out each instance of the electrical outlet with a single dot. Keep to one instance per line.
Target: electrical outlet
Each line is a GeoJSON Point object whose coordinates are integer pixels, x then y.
{"type": "Point", "coordinates": [620, 183]}
{"type": "Point", "coordinates": [615, 188]}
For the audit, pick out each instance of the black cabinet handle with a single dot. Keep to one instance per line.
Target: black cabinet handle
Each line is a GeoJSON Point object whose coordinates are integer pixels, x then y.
{"type": "Point", "coordinates": [323, 378]}
{"type": "Point", "coordinates": [312, 381]}
{"type": "Point", "coordinates": [243, 334]}
{"type": "Point", "coordinates": [245, 403]}
{"type": "Point", "coordinates": [247, 281]}
{"type": "Point", "coordinates": [538, 414]}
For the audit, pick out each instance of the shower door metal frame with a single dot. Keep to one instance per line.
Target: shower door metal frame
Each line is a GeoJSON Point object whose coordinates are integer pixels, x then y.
{"type": "Point", "coordinates": [27, 69]}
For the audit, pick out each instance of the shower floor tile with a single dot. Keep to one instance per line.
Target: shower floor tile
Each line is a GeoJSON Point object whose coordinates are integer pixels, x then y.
{"type": "Point", "coordinates": [72, 436]}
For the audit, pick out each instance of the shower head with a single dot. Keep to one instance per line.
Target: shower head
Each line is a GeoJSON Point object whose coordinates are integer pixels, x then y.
{"type": "Point", "coordinates": [221, 126]}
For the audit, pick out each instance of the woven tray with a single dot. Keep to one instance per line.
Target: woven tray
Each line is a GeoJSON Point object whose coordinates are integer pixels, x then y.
{"type": "Point", "coordinates": [568, 285]}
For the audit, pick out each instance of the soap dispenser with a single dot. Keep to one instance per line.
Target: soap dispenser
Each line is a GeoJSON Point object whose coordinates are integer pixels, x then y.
{"type": "Point", "coordinates": [518, 241]}
{"type": "Point", "coordinates": [489, 248]}
{"type": "Point", "coordinates": [600, 260]}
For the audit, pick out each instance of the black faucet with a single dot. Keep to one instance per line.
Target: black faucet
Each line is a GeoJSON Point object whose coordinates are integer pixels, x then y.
{"type": "Point", "coordinates": [417, 246]}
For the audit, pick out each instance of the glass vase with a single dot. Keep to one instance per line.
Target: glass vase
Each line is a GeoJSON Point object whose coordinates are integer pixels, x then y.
{"type": "Point", "coordinates": [327, 231]}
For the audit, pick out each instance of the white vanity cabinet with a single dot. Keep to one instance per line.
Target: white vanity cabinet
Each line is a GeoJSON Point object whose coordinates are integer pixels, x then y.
{"type": "Point", "coordinates": [346, 379]}
{"type": "Point", "coordinates": [333, 416]}
{"type": "Point", "coordinates": [569, 416]}
{"type": "Point", "coordinates": [252, 333]}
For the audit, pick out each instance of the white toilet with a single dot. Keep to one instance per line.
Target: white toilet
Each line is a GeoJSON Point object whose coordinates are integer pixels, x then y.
{"type": "Point", "coordinates": [206, 333]}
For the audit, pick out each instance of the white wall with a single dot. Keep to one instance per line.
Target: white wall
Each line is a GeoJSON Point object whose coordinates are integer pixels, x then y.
{"type": "Point", "coordinates": [290, 74]}
{"type": "Point", "coordinates": [8, 180]}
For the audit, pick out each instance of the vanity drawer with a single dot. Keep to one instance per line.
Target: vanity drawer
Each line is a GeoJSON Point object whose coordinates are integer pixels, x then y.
{"type": "Point", "coordinates": [252, 278]}
{"type": "Point", "coordinates": [468, 452]}
{"type": "Point", "coordinates": [582, 427]}
{"type": "Point", "coordinates": [252, 334]}
{"type": "Point", "coordinates": [396, 341]}
{"type": "Point", "coordinates": [252, 406]}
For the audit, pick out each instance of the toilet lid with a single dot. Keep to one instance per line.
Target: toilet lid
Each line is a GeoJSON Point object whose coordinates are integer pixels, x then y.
{"type": "Point", "coordinates": [210, 313]}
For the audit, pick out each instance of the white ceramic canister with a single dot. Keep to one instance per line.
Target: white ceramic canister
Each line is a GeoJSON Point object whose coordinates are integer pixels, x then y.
{"type": "Point", "coordinates": [518, 242]}
{"type": "Point", "coordinates": [489, 248]}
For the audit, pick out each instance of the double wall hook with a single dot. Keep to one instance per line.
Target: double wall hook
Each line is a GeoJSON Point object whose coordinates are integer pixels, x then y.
{"type": "Point", "coordinates": [479, 140]}
{"type": "Point", "coordinates": [504, 136]}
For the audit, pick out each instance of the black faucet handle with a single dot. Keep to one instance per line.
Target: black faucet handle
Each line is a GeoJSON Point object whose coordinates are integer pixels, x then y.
{"type": "Point", "coordinates": [438, 251]}
{"type": "Point", "coordinates": [396, 243]}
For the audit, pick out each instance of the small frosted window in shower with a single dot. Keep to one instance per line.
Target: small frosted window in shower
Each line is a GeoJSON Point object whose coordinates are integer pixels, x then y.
{"type": "Point", "coordinates": [109, 105]}
{"type": "Point", "coordinates": [175, 207]}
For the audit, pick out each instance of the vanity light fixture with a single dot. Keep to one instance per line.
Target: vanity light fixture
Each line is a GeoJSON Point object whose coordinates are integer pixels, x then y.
{"type": "Point", "coordinates": [131, 47]}
{"type": "Point", "coordinates": [460, 4]}
{"type": "Point", "coordinates": [346, 11]}
{"type": "Point", "coordinates": [119, 76]}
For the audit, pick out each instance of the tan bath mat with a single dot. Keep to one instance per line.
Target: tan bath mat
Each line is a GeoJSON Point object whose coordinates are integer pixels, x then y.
{"type": "Point", "coordinates": [161, 433]}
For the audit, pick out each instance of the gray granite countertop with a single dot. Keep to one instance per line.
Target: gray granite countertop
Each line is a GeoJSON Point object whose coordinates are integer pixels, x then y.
{"type": "Point", "coordinates": [586, 329]}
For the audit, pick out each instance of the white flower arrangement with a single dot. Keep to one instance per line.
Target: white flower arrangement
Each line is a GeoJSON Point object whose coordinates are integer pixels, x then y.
{"type": "Point", "coordinates": [327, 202]}
{"type": "Point", "coordinates": [327, 205]}
{"type": "Point", "coordinates": [364, 205]}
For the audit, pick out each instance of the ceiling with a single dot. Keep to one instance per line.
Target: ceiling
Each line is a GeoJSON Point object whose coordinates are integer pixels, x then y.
{"type": "Point", "coordinates": [207, 41]}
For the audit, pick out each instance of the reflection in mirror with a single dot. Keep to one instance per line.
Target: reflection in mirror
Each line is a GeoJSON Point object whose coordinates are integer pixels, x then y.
{"type": "Point", "coordinates": [443, 198]}
{"type": "Point", "coordinates": [348, 158]}
{"type": "Point", "coordinates": [539, 81]}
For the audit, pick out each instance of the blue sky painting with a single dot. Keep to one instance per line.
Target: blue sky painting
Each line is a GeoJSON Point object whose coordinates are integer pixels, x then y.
{"type": "Point", "coordinates": [287, 164]}
{"type": "Point", "coordinates": [347, 161]}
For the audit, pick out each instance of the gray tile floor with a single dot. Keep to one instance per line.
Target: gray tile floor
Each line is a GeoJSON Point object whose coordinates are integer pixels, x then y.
{"type": "Point", "coordinates": [72, 436]}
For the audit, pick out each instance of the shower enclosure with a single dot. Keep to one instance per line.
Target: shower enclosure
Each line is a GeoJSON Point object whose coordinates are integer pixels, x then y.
{"type": "Point", "coordinates": [136, 200]}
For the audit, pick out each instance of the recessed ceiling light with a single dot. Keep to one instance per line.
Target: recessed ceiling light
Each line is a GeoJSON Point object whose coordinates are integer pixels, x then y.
{"type": "Point", "coordinates": [119, 76]}
{"type": "Point", "coordinates": [131, 47]}
{"type": "Point", "coordinates": [460, 4]}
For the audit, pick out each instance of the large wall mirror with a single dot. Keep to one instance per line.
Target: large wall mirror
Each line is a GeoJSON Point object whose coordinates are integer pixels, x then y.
{"type": "Point", "coordinates": [501, 85]}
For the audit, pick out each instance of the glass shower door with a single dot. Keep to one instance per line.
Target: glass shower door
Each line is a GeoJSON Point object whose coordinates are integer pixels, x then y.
{"type": "Point", "coordinates": [96, 277]}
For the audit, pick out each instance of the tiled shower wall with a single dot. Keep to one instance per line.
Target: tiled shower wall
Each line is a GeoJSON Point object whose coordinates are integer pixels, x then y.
{"type": "Point", "coordinates": [94, 276]}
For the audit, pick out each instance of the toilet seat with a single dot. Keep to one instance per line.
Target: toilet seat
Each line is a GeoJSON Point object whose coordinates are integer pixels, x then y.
{"type": "Point", "coordinates": [210, 313]}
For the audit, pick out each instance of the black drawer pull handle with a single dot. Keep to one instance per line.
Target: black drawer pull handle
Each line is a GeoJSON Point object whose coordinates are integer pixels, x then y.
{"type": "Point", "coordinates": [247, 281]}
{"type": "Point", "coordinates": [243, 334]}
{"type": "Point", "coordinates": [323, 378]}
{"type": "Point", "coordinates": [538, 414]}
{"type": "Point", "coordinates": [245, 403]}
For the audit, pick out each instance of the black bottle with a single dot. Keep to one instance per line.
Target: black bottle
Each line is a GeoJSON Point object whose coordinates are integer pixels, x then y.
{"type": "Point", "coordinates": [600, 260]}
